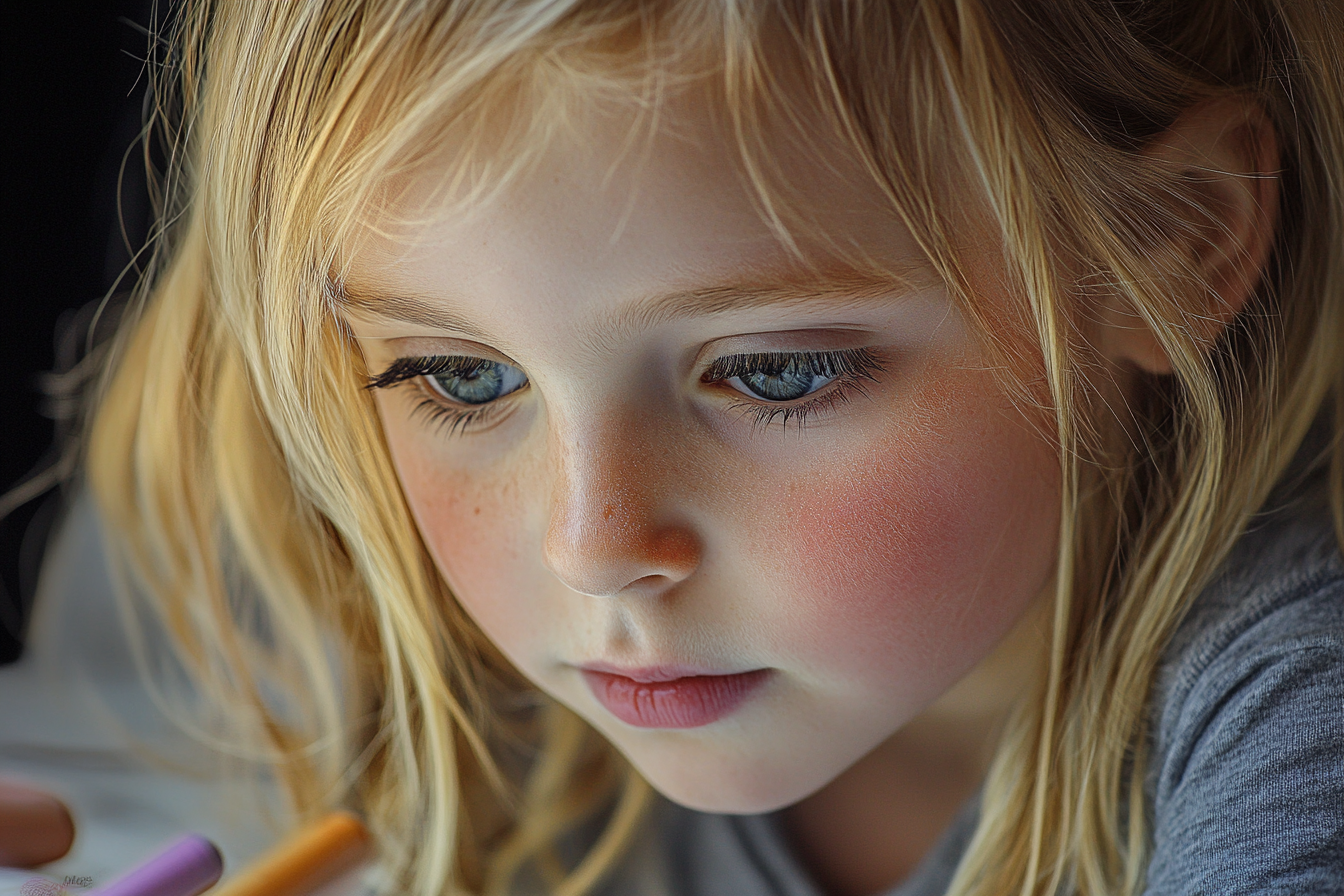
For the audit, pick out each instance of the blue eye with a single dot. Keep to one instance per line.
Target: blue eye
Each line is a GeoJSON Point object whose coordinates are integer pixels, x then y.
{"type": "Point", "coordinates": [462, 380]}
{"type": "Point", "coordinates": [774, 382]}
{"type": "Point", "coordinates": [777, 380]}
{"type": "Point", "coordinates": [465, 391]}
{"type": "Point", "coordinates": [477, 381]}
{"type": "Point", "coordinates": [787, 376]}
{"type": "Point", "coordinates": [462, 393]}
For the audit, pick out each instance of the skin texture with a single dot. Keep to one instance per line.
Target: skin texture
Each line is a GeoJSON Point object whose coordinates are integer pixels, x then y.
{"type": "Point", "coordinates": [619, 509]}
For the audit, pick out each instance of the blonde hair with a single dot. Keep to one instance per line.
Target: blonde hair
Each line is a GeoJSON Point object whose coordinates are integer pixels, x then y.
{"type": "Point", "coordinates": [237, 458]}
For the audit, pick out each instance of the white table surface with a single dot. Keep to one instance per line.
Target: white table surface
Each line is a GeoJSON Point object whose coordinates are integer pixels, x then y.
{"type": "Point", "coordinates": [76, 720]}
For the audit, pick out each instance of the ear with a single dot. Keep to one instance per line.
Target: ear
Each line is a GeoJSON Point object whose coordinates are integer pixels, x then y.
{"type": "Point", "coordinates": [1230, 148]}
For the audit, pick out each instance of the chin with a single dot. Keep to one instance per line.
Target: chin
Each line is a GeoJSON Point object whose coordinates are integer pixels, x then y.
{"type": "Point", "coordinates": [748, 786]}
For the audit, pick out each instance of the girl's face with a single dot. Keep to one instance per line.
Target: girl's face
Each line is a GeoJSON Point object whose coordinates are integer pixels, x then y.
{"type": "Point", "coordinates": [743, 520]}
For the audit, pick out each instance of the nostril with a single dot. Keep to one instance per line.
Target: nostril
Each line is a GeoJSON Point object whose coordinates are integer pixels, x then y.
{"type": "Point", "coordinates": [647, 585]}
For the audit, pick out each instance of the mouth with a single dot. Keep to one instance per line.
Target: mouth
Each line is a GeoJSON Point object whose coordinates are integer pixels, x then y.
{"type": "Point", "coordinates": [670, 696]}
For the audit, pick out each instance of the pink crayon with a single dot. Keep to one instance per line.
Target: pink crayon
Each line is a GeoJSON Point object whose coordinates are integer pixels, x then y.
{"type": "Point", "coordinates": [189, 866]}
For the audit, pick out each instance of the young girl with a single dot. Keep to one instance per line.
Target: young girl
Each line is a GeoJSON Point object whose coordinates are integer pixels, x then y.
{"type": "Point", "coordinates": [788, 405]}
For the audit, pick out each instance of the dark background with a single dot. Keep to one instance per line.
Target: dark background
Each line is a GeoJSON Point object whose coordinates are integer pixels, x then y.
{"type": "Point", "coordinates": [73, 78]}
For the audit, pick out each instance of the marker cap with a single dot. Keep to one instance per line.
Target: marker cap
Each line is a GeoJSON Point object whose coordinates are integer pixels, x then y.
{"type": "Point", "coordinates": [309, 858]}
{"type": "Point", "coordinates": [189, 866]}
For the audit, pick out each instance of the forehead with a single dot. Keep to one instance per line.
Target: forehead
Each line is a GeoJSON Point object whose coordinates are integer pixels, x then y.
{"type": "Point", "coordinates": [610, 208]}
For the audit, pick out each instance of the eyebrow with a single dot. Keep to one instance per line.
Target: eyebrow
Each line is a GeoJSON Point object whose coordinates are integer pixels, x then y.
{"type": "Point", "coordinates": [850, 288]}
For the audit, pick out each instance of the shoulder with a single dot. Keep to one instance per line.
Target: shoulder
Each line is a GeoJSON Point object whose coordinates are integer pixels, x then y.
{"type": "Point", "coordinates": [1246, 776]}
{"type": "Point", "coordinates": [1277, 603]}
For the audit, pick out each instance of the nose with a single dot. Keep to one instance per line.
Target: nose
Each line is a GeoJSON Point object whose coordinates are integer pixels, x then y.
{"type": "Point", "coordinates": [613, 525]}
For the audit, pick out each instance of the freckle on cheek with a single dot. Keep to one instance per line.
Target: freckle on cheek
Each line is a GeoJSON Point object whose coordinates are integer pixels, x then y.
{"type": "Point", "coordinates": [466, 542]}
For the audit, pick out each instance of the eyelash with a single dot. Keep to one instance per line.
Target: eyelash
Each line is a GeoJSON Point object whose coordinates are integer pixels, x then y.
{"type": "Point", "coordinates": [850, 367]}
{"type": "Point", "coordinates": [439, 414]}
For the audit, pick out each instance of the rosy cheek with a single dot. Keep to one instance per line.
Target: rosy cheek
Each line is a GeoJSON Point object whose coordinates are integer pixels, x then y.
{"type": "Point", "coordinates": [910, 557]}
{"type": "Point", "coordinates": [864, 550]}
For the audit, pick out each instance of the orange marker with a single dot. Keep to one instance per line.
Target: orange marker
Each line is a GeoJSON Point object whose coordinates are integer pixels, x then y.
{"type": "Point", "coordinates": [312, 856]}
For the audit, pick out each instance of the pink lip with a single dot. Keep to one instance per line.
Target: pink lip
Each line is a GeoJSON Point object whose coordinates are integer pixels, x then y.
{"type": "Point", "coordinates": [670, 696]}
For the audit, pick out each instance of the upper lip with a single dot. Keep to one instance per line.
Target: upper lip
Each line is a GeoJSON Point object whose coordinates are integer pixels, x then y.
{"type": "Point", "coordinates": [664, 672]}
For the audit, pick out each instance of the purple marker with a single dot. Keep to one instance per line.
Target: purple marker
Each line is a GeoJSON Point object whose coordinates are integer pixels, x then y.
{"type": "Point", "coordinates": [190, 866]}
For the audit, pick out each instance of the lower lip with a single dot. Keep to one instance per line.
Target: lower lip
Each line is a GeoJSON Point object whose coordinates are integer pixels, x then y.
{"type": "Point", "coordinates": [680, 703]}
